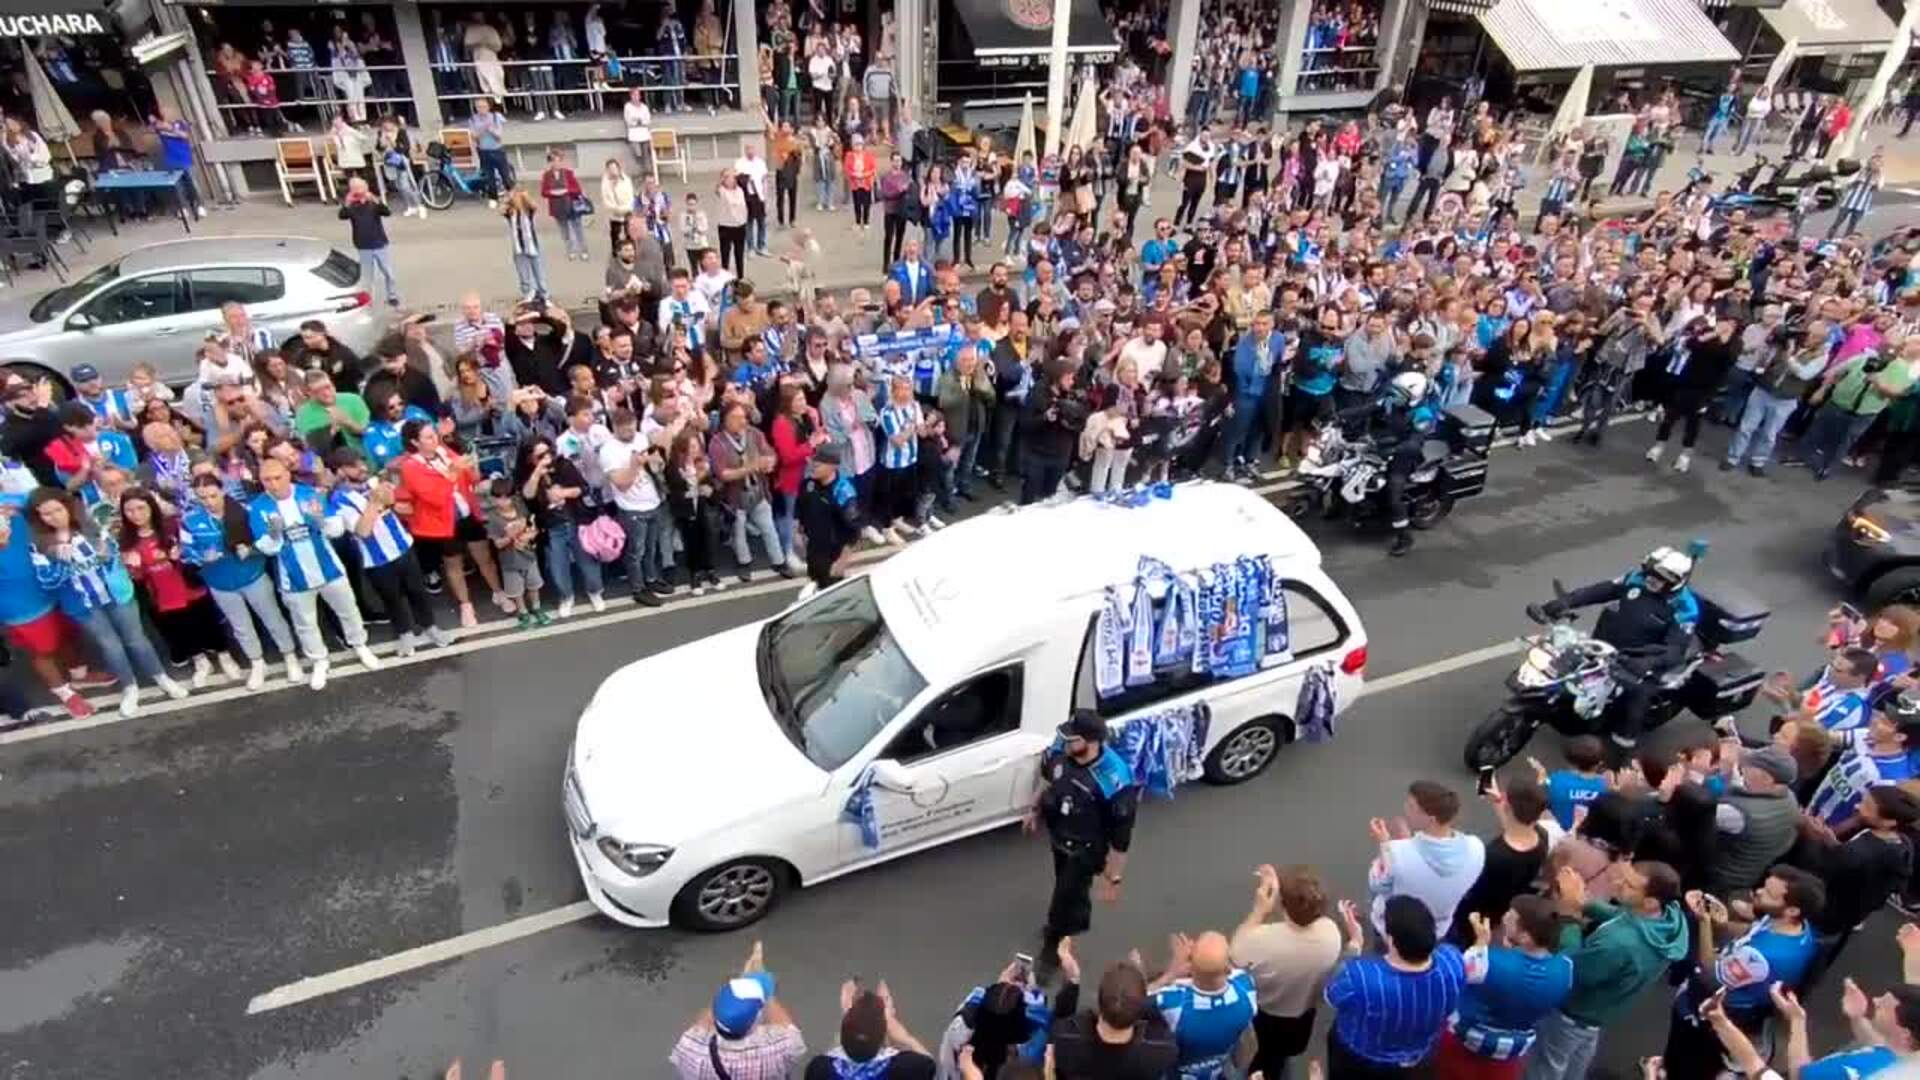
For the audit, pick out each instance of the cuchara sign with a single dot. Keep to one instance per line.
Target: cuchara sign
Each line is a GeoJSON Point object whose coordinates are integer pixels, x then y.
{"type": "Point", "coordinates": [85, 22]}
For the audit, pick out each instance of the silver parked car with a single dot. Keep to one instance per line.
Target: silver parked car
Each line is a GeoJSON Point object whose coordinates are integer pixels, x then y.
{"type": "Point", "coordinates": [159, 302]}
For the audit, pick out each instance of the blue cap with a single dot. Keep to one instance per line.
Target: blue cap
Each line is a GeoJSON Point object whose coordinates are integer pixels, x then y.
{"type": "Point", "coordinates": [738, 1003]}
{"type": "Point", "coordinates": [85, 373]}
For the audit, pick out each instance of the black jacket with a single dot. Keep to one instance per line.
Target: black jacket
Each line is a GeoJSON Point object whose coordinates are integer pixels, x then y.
{"type": "Point", "coordinates": [363, 218]}
{"type": "Point", "coordinates": [1641, 623]}
{"type": "Point", "coordinates": [828, 516]}
{"type": "Point", "coordinates": [1080, 1054]}
{"type": "Point", "coordinates": [1050, 425]}
{"type": "Point", "coordinates": [340, 363]}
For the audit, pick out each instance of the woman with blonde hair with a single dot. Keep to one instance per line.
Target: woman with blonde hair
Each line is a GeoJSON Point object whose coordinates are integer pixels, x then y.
{"type": "Point", "coordinates": [520, 212]}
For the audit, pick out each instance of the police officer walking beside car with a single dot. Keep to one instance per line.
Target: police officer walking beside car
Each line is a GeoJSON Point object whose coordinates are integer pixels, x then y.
{"type": "Point", "coordinates": [1087, 801]}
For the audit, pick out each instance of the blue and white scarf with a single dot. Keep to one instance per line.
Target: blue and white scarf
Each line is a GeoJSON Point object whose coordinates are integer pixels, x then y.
{"type": "Point", "coordinates": [1165, 749]}
{"type": "Point", "coordinates": [859, 809]}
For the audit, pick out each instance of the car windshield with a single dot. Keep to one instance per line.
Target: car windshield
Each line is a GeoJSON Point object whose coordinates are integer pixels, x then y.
{"type": "Point", "coordinates": [833, 674]}
{"type": "Point", "coordinates": [66, 296]}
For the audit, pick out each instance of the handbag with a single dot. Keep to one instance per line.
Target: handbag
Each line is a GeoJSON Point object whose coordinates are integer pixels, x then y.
{"type": "Point", "coordinates": [581, 206]}
{"type": "Point", "coordinates": [603, 538]}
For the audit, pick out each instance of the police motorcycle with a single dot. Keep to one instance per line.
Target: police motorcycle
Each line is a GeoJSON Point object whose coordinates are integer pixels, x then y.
{"type": "Point", "coordinates": [1781, 190]}
{"type": "Point", "coordinates": [1575, 683]}
{"type": "Point", "coordinates": [1346, 470]}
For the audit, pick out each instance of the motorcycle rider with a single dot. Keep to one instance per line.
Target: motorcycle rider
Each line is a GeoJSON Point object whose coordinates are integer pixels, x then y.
{"type": "Point", "coordinates": [1399, 421]}
{"type": "Point", "coordinates": [1649, 620]}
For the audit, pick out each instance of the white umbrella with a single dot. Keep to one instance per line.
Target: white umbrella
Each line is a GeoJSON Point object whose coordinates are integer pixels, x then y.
{"type": "Point", "coordinates": [50, 114]}
{"type": "Point", "coordinates": [1573, 107]}
{"type": "Point", "coordinates": [1085, 128]}
{"type": "Point", "coordinates": [1026, 143]}
{"type": "Point", "coordinates": [1781, 61]}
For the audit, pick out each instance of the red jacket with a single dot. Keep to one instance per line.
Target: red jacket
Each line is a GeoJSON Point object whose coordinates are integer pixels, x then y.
{"type": "Point", "coordinates": [793, 452]}
{"type": "Point", "coordinates": [559, 186]}
{"type": "Point", "coordinates": [431, 494]}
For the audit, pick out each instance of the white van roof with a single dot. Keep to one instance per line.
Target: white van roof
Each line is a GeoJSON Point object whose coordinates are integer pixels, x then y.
{"type": "Point", "coordinates": [955, 598]}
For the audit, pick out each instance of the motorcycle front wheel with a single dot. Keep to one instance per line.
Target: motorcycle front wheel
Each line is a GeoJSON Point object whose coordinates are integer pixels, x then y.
{"type": "Point", "coordinates": [1499, 738]}
{"type": "Point", "coordinates": [1301, 504]}
{"type": "Point", "coordinates": [1429, 511]}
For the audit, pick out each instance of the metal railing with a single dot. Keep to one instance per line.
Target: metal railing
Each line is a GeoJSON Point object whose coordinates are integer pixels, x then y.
{"type": "Point", "coordinates": [667, 80]}
{"type": "Point", "coordinates": [537, 86]}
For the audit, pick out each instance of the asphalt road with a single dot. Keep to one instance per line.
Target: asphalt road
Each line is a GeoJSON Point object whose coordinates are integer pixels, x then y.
{"type": "Point", "coordinates": [163, 872]}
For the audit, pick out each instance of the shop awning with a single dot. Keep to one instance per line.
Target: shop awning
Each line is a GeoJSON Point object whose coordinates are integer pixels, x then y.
{"type": "Point", "coordinates": [1549, 35]}
{"type": "Point", "coordinates": [1017, 28]}
{"type": "Point", "coordinates": [1830, 26]}
{"type": "Point", "coordinates": [1460, 7]}
{"type": "Point", "coordinates": [1713, 4]}
{"type": "Point", "coordinates": [38, 18]}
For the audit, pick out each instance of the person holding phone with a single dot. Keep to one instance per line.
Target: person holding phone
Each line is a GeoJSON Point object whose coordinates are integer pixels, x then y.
{"type": "Point", "coordinates": [1767, 941]}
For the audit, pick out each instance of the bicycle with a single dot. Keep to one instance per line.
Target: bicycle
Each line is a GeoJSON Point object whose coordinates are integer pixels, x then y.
{"type": "Point", "coordinates": [443, 179]}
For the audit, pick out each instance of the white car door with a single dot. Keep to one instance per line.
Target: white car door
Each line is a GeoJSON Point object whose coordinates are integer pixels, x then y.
{"type": "Point", "coordinates": [953, 766]}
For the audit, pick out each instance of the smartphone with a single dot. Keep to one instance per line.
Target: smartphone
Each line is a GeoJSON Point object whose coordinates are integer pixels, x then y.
{"type": "Point", "coordinates": [1851, 613]}
{"type": "Point", "coordinates": [1485, 784]}
{"type": "Point", "coordinates": [1023, 967]}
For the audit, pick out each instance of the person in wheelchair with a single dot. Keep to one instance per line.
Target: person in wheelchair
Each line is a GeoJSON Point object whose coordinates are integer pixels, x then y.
{"type": "Point", "coordinates": [1650, 619]}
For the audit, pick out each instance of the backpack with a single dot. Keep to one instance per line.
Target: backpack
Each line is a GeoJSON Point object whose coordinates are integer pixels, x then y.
{"type": "Point", "coordinates": [603, 538]}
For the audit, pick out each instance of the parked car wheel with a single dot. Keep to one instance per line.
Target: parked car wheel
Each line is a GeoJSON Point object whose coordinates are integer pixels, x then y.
{"type": "Point", "coordinates": [731, 895]}
{"type": "Point", "coordinates": [1247, 751]}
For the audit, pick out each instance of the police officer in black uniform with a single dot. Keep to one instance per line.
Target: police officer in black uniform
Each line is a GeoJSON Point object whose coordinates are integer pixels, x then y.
{"type": "Point", "coordinates": [1087, 799]}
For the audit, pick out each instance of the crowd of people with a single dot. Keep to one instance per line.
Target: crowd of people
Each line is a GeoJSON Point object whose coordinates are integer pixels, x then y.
{"type": "Point", "coordinates": [1726, 874]}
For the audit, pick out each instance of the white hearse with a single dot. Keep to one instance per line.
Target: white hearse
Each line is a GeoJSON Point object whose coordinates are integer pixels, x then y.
{"type": "Point", "coordinates": [707, 780]}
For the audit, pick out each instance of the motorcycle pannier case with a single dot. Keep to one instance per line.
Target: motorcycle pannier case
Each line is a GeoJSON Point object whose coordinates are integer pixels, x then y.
{"type": "Point", "coordinates": [1462, 476]}
{"type": "Point", "coordinates": [1728, 615]}
{"type": "Point", "coordinates": [1722, 685]}
{"type": "Point", "coordinates": [1468, 428]}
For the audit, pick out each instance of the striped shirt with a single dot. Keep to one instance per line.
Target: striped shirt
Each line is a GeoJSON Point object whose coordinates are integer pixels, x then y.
{"type": "Point", "coordinates": [692, 312]}
{"type": "Point", "coordinates": [468, 336]}
{"type": "Point", "coordinates": [112, 409]}
{"type": "Point", "coordinates": [303, 560]}
{"type": "Point", "coordinates": [385, 543]}
{"type": "Point", "coordinates": [83, 579]}
{"type": "Point", "coordinates": [895, 421]}
{"type": "Point", "coordinates": [1856, 772]}
{"type": "Point", "coordinates": [1393, 1017]}
{"type": "Point", "coordinates": [1858, 196]}
{"type": "Point", "coordinates": [1559, 189]}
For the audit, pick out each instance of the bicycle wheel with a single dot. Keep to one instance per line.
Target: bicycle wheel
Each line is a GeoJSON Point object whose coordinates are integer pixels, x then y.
{"type": "Point", "coordinates": [436, 190]}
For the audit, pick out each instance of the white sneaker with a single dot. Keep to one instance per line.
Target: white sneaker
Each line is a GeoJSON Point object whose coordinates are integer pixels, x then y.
{"type": "Point", "coordinates": [366, 657]}
{"type": "Point", "coordinates": [202, 671]}
{"type": "Point", "coordinates": [598, 602]}
{"type": "Point", "coordinates": [540, 116]}
{"type": "Point", "coordinates": [171, 688]}
{"type": "Point", "coordinates": [807, 591]}
{"type": "Point", "coordinates": [1543, 434]}
{"type": "Point", "coordinates": [1654, 452]}
{"type": "Point", "coordinates": [228, 666]}
{"type": "Point", "coordinates": [493, 204]}
{"type": "Point", "coordinates": [794, 564]}
{"type": "Point", "coordinates": [699, 589]}
{"type": "Point", "coordinates": [201, 210]}
{"type": "Point", "coordinates": [935, 523]}
{"type": "Point", "coordinates": [408, 645]}
{"type": "Point", "coordinates": [566, 608]}
{"type": "Point", "coordinates": [130, 701]}
{"type": "Point", "coordinates": [257, 675]}
{"type": "Point", "coordinates": [872, 535]}
{"type": "Point", "coordinates": [294, 674]}
{"type": "Point", "coordinates": [319, 679]}
{"type": "Point", "coordinates": [558, 115]}
{"type": "Point", "coordinates": [1685, 459]}
{"type": "Point", "coordinates": [439, 637]}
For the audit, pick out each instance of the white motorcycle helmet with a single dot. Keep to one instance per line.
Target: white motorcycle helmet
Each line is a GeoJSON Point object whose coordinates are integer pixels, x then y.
{"type": "Point", "coordinates": [1410, 387]}
{"type": "Point", "coordinates": [1666, 569]}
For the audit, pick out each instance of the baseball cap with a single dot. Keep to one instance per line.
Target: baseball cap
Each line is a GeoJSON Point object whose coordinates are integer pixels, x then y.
{"type": "Point", "coordinates": [1774, 761]}
{"type": "Point", "coordinates": [85, 373]}
{"type": "Point", "coordinates": [1084, 724]}
{"type": "Point", "coordinates": [826, 455]}
{"type": "Point", "coordinates": [738, 1003]}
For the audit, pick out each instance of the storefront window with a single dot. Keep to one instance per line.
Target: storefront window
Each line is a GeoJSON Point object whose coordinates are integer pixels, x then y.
{"type": "Point", "coordinates": [279, 70]}
{"type": "Point", "coordinates": [1343, 37]}
{"type": "Point", "coordinates": [537, 61]}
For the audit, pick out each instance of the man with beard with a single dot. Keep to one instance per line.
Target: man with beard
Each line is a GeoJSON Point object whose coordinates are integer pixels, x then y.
{"type": "Point", "coordinates": [313, 349]}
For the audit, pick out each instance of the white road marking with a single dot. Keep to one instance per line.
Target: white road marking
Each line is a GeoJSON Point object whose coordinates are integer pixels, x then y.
{"type": "Point", "coordinates": [493, 635]}
{"type": "Point", "coordinates": [385, 967]}
{"type": "Point", "coordinates": [474, 941]}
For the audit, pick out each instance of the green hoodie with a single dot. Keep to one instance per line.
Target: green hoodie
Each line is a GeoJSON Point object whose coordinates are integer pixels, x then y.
{"type": "Point", "coordinates": [1618, 958]}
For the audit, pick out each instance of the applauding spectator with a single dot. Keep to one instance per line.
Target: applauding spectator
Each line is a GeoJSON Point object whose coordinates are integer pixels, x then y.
{"type": "Point", "coordinates": [874, 1044]}
{"type": "Point", "coordinates": [746, 1034]}
{"type": "Point", "coordinates": [1391, 1009]}
{"type": "Point", "coordinates": [1424, 856]}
